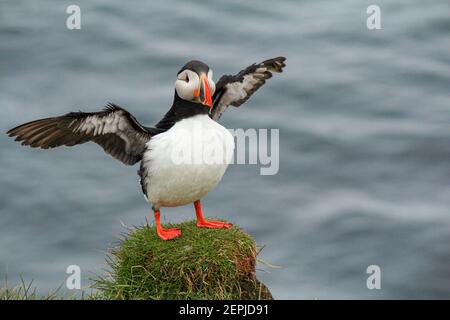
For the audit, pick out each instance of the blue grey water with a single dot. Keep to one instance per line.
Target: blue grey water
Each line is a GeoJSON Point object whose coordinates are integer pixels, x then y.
{"type": "Point", "coordinates": [363, 115]}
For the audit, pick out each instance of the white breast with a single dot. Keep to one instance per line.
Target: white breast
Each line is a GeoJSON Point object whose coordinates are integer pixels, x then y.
{"type": "Point", "coordinates": [184, 163]}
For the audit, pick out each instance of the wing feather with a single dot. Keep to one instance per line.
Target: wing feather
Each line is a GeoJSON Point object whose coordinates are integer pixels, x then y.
{"type": "Point", "coordinates": [234, 90]}
{"type": "Point", "coordinates": [113, 128]}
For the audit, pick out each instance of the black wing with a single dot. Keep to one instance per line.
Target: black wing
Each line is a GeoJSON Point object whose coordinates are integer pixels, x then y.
{"type": "Point", "coordinates": [235, 90]}
{"type": "Point", "coordinates": [113, 128]}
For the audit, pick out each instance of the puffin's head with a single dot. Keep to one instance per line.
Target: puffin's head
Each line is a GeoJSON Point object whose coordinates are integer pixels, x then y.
{"type": "Point", "coordinates": [194, 83]}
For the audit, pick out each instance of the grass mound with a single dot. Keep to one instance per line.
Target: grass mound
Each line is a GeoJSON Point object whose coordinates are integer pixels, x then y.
{"type": "Point", "coordinates": [201, 264]}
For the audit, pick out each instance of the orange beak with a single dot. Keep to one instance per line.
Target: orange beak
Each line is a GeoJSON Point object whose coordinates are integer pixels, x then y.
{"type": "Point", "coordinates": [204, 92]}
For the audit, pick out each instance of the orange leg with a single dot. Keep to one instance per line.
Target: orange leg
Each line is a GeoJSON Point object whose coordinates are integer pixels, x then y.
{"type": "Point", "coordinates": [165, 234]}
{"type": "Point", "coordinates": [202, 223]}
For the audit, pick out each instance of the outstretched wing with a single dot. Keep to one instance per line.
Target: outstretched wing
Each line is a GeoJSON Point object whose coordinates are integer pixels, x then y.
{"type": "Point", "coordinates": [113, 128]}
{"type": "Point", "coordinates": [235, 90]}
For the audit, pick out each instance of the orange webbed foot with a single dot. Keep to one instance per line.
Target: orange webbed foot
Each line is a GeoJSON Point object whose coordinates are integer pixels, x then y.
{"type": "Point", "coordinates": [169, 234]}
{"type": "Point", "coordinates": [214, 224]}
{"type": "Point", "coordinates": [203, 223]}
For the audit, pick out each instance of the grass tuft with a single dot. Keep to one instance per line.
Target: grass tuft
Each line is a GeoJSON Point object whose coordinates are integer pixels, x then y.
{"type": "Point", "coordinates": [24, 291]}
{"type": "Point", "coordinates": [201, 264]}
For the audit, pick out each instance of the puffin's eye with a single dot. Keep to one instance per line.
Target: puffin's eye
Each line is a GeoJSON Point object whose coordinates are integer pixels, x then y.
{"type": "Point", "coordinates": [183, 76]}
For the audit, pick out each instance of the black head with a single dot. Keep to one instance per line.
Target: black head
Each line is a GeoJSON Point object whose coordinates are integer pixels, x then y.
{"type": "Point", "coordinates": [196, 66]}
{"type": "Point", "coordinates": [194, 88]}
{"type": "Point", "coordinates": [194, 83]}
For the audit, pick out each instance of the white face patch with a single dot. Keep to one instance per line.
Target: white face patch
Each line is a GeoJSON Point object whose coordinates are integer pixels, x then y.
{"type": "Point", "coordinates": [188, 81]}
{"type": "Point", "coordinates": [185, 85]}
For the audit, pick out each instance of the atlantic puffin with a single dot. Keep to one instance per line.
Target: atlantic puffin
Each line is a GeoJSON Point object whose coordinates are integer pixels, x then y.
{"type": "Point", "coordinates": [168, 175]}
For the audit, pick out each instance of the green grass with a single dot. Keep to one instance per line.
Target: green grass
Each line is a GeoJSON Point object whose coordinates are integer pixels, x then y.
{"type": "Point", "coordinates": [201, 264]}
{"type": "Point", "coordinates": [26, 291]}
{"type": "Point", "coordinates": [22, 291]}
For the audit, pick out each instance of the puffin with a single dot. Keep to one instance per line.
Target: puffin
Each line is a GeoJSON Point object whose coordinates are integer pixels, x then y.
{"type": "Point", "coordinates": [183, 156]}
